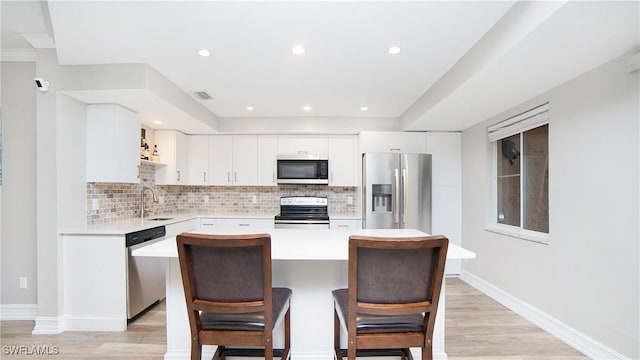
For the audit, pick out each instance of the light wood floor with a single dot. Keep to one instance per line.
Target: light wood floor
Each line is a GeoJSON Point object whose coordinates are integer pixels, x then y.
{"type": "Point", "coordinates": [477, 328]}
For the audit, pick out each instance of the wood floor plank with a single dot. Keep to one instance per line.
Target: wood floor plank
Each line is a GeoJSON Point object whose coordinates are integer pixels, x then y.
{"type": "Point", "coordinates": [477, 328]}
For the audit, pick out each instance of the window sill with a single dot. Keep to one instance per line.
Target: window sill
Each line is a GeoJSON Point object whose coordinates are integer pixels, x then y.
{"type": "Point", "coordinates": [529, 235]}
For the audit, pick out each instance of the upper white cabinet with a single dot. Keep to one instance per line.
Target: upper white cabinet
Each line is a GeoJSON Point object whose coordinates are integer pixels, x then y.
{"type": "Point", "coordinates": [393, 141]}
{"type": "Point", "coordinates": [113, 144]}
{"type": "Point", "coordinates": [267, 156]}
{"type": "Point", "coordinates": [342, 160]}
{"type": "Point", "coordinates": [172, 147]}
{"type": "Point", "coordinates": [198, 159]}
{"type": "Point", "coordinates": [303, 145]}
{"type": "Point", "coordinates": [233, 159]}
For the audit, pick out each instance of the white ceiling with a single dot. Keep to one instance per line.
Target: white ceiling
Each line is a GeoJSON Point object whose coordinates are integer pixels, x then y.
{"type": "Point", "coordinates": [454, 45]}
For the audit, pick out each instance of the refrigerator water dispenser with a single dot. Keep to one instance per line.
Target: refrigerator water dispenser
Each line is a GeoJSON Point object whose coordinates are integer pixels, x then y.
{"type": "Point", "coordinates": [381, 200]}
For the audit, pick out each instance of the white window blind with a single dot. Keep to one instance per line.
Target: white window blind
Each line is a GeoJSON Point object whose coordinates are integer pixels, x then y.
{"type": "Point", "coordinates": [528, 120]}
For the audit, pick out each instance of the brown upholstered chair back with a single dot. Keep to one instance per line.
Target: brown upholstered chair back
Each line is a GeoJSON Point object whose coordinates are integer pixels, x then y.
{"type": "Point", "coordinates": [395, 276]}
{"type": "Point", "coordinates": [227, 268]}
{"type": "Point", "coordinates": [227, 274]}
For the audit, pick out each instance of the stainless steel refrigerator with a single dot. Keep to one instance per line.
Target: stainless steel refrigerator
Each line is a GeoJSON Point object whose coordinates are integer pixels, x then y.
{"type": "Point", "coordinates": [396, 191]}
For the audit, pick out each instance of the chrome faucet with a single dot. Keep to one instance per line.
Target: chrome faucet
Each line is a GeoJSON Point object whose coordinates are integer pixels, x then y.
{"type": "Point", "coordinates": [155, 199]}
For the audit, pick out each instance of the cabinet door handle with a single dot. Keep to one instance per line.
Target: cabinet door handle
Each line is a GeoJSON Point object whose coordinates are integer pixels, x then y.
{"type": "Point", "coordinates": [332, 177]}
{"type": "Point", "coordinates": [244, 224]}
{"type": "Point", "coordinates": [204, 177]}
{"type": "Point", "coordinates": [273, 177]}
{"type": "Point", "coordinates": [235, 177]}
{"type": "Point", "coordinates": [392, 149]}
{"type": "Point", "coordinates": [228, 177]}
{"type": "Point", "coordinates": [178, 175]}
{"type": "Point", "coordinates": [302, 152]}
{"type": "Point", "coordinates": [343, 226]}
{"type": "Point", "coordinates": [139, 171]}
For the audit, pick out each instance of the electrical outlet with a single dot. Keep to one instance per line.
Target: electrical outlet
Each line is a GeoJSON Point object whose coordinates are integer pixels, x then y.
{"type": "Point", "coordinates": [205, 198]}
{"type": "Point", "coordinates": [23, 282]}
{"type": "Point", "coordinates": [160, 200]}
{"type": "Point", "coordinates": [350, 200]}
{"type": "Point", "coordinates": [254, 199]}
{"type": "Point", "coordinates": [95, 204]}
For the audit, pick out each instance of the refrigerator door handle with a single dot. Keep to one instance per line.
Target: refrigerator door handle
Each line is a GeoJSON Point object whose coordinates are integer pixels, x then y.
{"type": "Point", "coordinates": [396, 201]}
{"type": "Point", "coordinates": [405, 199]}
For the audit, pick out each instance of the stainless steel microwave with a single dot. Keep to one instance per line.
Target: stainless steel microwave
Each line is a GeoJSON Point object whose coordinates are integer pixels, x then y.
{"type": "Point", "coordinates": [303, 169]}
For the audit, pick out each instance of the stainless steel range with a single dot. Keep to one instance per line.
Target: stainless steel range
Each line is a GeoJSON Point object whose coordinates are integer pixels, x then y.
{"type": "Point", "coordinates": [302, 212]}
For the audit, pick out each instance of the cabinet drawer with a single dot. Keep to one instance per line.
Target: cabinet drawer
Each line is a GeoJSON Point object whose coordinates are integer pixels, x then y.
{"type": "Point", "coordinates": [245, 223]}
{"type": "Point", "coordinates": [208, 223]}
{"type": "Point", "coordinates": [345, 224]}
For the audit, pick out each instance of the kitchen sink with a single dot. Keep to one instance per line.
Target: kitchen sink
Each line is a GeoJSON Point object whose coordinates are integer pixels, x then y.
{"type": "Point", "coordinates": [160, 218]}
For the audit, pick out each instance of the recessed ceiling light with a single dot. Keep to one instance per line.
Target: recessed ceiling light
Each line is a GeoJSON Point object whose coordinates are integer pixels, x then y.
{"type": "Point", "coordinates": [203, 52]}
{"type": "Point", "coordinates": [157, 122]}
{"type": "Point", "coordinates": [250, 108]}
{"type": "Point", "coordinates": [394, 50]}
{"type": "Point", "coordinates": [298, 50]}
{"type": "Point", "coordinates": [307, 108]}
{"type": "Point", "coordinates": [364, 108]}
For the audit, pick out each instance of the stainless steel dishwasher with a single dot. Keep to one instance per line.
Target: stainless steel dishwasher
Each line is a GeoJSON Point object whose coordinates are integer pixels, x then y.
{"type": "Point", "coordinates": [145, 275]}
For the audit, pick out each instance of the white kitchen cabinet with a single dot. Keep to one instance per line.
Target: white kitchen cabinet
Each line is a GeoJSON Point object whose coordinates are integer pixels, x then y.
{"type": "Point", "coordinates": [198, 159]}
{"type": "Point", "coordinates": [303, 145]}
{"type": "Point", "coordinates": [113, 144]}
{"type": "Point", "coordinates": [267, 160]}
{"type": "Point", "coordinates": [245, 160]}
{"type": "Point", "coordinates": [342, 160]}
{"type": "Point", "coordinates": [208, 223]}
{"type": "Point", "coordinates": [220, 159]}
{"type": "Point", "coordinates": [245, 223]}
{"type": "Point", "coordinates": [172, 148]}
{"type": "Point", "coordinates": [345, 224]}
{"type": "Point", "coordinates": [233, 159]}
{"type": "Point", "coordinates": [393, 141]}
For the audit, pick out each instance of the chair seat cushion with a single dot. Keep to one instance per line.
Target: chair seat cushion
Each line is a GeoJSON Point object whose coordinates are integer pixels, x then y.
{"type": "Point", "coordinates": [248, 321]}
{"type": "Point", "coordinates": [375, 324]}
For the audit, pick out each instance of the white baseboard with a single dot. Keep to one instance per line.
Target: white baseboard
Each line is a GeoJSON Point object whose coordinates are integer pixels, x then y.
{"type": "Point", "coordinates": [572, 337]}
{"type": "Point", "coordinates": [47, 326]}
{"type": "Point", "coordinates": [18, 312]}
{"type": "Point", "coordinates": [94, 324]}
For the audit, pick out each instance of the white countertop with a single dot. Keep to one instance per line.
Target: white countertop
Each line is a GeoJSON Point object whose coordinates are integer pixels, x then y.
{"type": "Point", "coordinates": [291, 244]}
{"type": "Point", "coordinates": [123, 227]}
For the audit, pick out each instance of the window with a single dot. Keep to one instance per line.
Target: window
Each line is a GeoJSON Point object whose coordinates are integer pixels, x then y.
{"type": "Point", "coordinates": [521, 153]}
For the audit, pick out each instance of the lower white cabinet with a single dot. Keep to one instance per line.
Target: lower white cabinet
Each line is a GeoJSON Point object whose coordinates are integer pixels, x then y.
{"type": "Point", "coordinates": [345, 224]}
{"type": "Point", "coordinates": [244, 223]}
{"type": "Point", "coordinates": [208, 223]}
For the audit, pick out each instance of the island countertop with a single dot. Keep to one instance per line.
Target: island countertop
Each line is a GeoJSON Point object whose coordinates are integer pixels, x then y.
{"type": "Point", "coordinates": [296, 244]}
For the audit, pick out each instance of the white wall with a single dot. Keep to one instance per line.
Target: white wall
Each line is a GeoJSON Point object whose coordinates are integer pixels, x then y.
{"type": "Point", "coordinates": [19, 182]}
{"type": "Point", "coordinates": [588, 277]}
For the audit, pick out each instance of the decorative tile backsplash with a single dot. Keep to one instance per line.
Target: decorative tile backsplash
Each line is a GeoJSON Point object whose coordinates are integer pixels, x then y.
{"type": "Point", "coordinates": [117, 201]}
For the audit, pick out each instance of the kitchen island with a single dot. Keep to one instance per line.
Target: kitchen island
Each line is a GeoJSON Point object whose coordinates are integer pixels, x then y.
{"type": "Point", "coordinates": [311, 263]}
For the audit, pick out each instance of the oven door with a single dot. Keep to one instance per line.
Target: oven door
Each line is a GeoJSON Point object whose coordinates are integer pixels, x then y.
{"type": "Point", "coordinates": [301, 224]}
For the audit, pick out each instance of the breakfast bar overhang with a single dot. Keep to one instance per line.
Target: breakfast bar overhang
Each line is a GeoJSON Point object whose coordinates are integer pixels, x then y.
{"type": "Point", "coordinates": [312, 263]}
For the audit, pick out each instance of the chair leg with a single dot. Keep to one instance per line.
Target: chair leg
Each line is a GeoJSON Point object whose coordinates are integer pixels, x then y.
{"type": "Point", "coordinates": [287, 335]}
{"type": "Point", "coordinates": [427, 351]}
{"type": "Point", "coordinates": [196, 350]}
{"type": "Point", "coordinates": [336, 335]}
